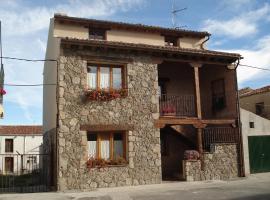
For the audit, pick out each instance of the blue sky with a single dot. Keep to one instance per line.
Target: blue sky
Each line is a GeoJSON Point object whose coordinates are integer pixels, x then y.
{"type": "Point", "coordinates": [241, 26]}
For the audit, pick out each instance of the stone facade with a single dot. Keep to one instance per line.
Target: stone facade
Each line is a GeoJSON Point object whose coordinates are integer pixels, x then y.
{"type": "Point", "coordinates": [138, 110]}
{"type": "Point", "coordinates": [222, 164]}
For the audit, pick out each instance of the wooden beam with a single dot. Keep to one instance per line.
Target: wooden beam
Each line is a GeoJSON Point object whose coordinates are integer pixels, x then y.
{"type": "Point", "coordinates": [196, 67]}
{"type": "Point", "coordinates": [199, 141]}
{"type": "Point", "coordinates": [98, 128]}
{"type": "Point", "coordinates": [218, 121]}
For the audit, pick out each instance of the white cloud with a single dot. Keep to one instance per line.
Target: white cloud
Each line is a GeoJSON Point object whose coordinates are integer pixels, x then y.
{"type": "Point", "coordinates": [19, 20]}
{"type": "Point", "coordinates": [259, 56]}
{"type": "Point", "coordinates": [24, 32]}
{"type": "Point", "coordinates": [244, 25]}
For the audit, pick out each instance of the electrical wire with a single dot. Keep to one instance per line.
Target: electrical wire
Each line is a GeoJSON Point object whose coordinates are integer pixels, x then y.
{"type": "Point", "coordinates": [30, 85]}
{"type": "Point", "coordinates": [28, 60]}
{"type": "Point", "coordinates": [265, 69]}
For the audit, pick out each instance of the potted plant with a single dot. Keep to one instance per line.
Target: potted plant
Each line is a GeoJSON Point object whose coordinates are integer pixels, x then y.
{"type": "Point", "coordinates": [169, 110]}
{"type": "Point", "coordinates": [104, 94]}
{"type": "Point", "coordinates": [191, 155]}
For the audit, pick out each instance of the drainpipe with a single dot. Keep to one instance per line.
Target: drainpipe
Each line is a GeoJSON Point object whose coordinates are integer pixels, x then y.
{"type": "Point", "coordinates": [208, 38]}
{"type": "Point", "coordinates": [241, 154]}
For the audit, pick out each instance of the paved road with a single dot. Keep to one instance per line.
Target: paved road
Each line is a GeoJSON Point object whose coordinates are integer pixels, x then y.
{"type": "Point", "coordinates": [256, 187]}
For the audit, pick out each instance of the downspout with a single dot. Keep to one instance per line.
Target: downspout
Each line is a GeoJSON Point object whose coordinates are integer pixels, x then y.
{"type": "Point", "coordinates": [241, 159]}
{"type": "Point", "coordinates": [208, 38]}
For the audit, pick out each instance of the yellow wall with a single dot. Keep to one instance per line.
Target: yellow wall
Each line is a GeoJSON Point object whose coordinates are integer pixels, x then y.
{"type": "Point", "coordinates": [69, 30]}
{"type": "Point", "coordinates": [135, 37]}
{"type": "Point", "coordinates": [193, 43]}
{"type": "Point", "coordinates": [49, 76]}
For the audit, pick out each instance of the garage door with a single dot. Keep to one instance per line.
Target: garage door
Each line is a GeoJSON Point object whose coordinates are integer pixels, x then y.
{"type": "Point", "coordinates": [259, 153]}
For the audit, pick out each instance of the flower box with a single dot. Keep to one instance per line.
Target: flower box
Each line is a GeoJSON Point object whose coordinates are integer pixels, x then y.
{"type": "Point", "coordinates": [105, 95]}
{"type": "Point", "coordinates": [100, 163]}
{"type": "Point", "coordinates": [168, 110]}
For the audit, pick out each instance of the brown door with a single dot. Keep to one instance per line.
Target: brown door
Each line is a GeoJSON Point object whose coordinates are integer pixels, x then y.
{"type": "Point", "coordinates": [9, 164]}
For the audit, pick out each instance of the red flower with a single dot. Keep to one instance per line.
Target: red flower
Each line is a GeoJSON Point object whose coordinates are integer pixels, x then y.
{"type": "Point", "coordinates": [2, 91]}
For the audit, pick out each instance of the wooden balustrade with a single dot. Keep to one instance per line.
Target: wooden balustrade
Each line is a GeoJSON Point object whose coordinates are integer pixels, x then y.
{"type": "Point", "coordinates": [178, 106]}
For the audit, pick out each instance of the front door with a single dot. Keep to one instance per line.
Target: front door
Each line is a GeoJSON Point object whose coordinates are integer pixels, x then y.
{"type": "Point", "coordinates": [9, 164]}
{"type": "Point", "coordinates": [259, 153]}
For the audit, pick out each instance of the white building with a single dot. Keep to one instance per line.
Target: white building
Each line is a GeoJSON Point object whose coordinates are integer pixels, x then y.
{"type": "Point", "coordinates": [256, 142]}
{"type": "Point", "coordinates": [20, 147]}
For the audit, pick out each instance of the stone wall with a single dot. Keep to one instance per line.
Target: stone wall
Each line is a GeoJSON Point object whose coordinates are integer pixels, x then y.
{"type": "Point", "coordinates": [222, 164]}
{"type": "Point", "coordinates": [138, 110]}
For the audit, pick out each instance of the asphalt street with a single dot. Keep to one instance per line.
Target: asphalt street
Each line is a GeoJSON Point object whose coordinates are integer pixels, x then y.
{"type": "Point", "coordinates": [255, 187]}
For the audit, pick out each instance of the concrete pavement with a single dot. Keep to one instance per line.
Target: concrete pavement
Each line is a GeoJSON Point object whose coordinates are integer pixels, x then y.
{"type": "Point", "coordinates": [255, 187]}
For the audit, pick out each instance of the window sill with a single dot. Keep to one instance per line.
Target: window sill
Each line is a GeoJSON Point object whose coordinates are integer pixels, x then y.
{"type": "Point", "coordinates": [104, 95]}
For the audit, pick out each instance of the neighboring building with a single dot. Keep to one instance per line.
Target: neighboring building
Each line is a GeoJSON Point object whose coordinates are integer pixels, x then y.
{"type": "Point", "coordinates": [256, 142]}
{"type": "Point", "coordinates": [256, 101]}
{"type": "Point", "coordinates": [132, 98]}
{"type": "Point", "coordinates": [19, 148]}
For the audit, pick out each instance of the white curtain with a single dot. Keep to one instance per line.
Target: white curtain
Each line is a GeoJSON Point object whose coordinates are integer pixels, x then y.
{"type": "Point", "coordinates": [104, 77]}
{"type": "Point", "coordinates": [105, 149]}
{"type": "Point", "coordinates": [92, 77]}
{"type": "Point", "coordinates": [92, 149]}
{"type": "Point", "coordinates": [117, 80]}
{"type": "Point", "coordinates": [118, 148]}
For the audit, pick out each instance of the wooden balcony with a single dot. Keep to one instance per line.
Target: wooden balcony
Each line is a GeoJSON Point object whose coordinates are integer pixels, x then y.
{"type": "Point", "coordinates": [214, 135]}
{"type": "Point", "coordinates": [177, 106]}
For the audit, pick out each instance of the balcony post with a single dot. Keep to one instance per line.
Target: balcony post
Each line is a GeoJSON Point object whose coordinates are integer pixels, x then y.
{"type": "Point", "coordinates": [196, 67]}
{"type": "Point", "coordinates": [199, 141]}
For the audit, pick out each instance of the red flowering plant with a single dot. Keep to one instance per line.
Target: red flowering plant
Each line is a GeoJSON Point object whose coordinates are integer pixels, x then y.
{"type": "Point", "coordinates": [191, 155]}
{"type": "Point", "coordinates": [168, 109]}
{"type": "Point", "coordinates": [2, 91]}
{"type": "Point", "coordinates": [104, 94]}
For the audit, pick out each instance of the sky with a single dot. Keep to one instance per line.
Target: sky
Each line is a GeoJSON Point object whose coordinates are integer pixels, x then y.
{"type": "Point", "coordinates": [240, 26]}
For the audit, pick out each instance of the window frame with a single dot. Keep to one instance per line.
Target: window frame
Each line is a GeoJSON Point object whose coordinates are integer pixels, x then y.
{"type": "Point", "coordinates": [259, 108]}
{"type": "Point", "coordinates": [9, 146]}
{"type": "Point", "coordinates": [111, 67]}
{"type": "Point", "coordinates": [110, 135]}
{"type": "Point", "coordinates": [214, 108]}
{"type": "Point", "coordinates": [100, 33]}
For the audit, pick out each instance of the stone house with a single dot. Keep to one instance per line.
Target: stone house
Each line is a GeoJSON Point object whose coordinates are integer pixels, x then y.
{"type": "Point", "coordinates": [256, 101]}
{"type": "Point", "coordinates": [130, 99]}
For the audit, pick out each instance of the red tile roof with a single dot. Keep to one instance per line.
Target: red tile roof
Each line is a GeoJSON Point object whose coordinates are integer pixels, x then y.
{"type": "Point", "coordinates": [130, 26]}
{"type": "Point", "coordinates": [256, 91]}
{"type": "Point", "coordinates": [20, 130]}
{"type": "Point", "coordinates": [165, 49]}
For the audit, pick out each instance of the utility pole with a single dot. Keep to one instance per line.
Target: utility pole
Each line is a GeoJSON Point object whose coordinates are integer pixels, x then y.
{"type": "Point", "coordinates": [2, 73]}
{"type": "Point", "coordinates": [174, 14]}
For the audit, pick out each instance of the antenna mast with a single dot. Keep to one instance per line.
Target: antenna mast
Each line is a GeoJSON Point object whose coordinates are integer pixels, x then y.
{"type": "Point", "coordinates": [174, 14]}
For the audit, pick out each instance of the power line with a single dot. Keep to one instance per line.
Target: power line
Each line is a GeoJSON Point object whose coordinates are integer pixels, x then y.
{"type": "Point", "coordinates": [28, 85]}
{"type": "Point", "coordinates": [28, 60]}
{"type": "Point", "coordinates": [254, 67]}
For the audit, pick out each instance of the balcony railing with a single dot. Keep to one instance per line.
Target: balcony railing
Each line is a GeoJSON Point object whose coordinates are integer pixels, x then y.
{"type": "Point", "coordinates": [213, 135]}
{"type": "Point", "coordinates": [178, 106]}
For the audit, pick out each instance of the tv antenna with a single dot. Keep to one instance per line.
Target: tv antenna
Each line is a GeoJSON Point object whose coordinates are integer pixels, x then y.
{"type": "Point", "coordinates": [174, 15]}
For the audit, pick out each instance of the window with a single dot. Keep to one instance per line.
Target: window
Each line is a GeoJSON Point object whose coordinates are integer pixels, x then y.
{"type": "Point", "coordinates": [171, 41]}
{"type": "Point", "coordinates": [105, 77]}
{"type": "Point", "coordinates": [9, 164]}
{"type": "Point", "coordinates": [97, 34]}
{"type": "Point", "coordinates": [259, 108]}
{"type": "Point", "coordinates": [9, 145]}
{"type": "Point", "coordinates": [106, 145]}
{"type": "Point", "coordinates": [32, 160]}
{"type": "Point", "coordinates": [251, 125]}
{"type": "Point", "coordinates": [218, 95]}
